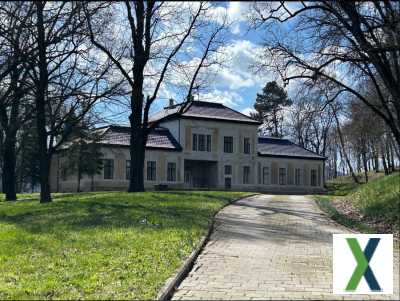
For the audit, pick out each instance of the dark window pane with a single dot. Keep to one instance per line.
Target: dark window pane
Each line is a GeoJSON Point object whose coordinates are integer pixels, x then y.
{"type": "Point", "coordinates": [228, 144]}
{"type": "Point", "coordinates": [266, 175]}
{"type": "Point", "coordinates": [228, 169]}
{"type": "Point", "coordinates": [297, 176]}
{"type": "Point", "coordinates": [194, 142]}
{"type": "Point", "coordinates": [313, 177]}
{"type": "Point", "coordinates": [209, 143]}
{"type": "Point", "coordinates": [202, 143]}
{"type": "Point", "coordinates": [246, 174]}
{"type": "Point", "coordinates": [108, 169]}
{"type": "Point", "coordinates": [246, 145]}
{"type": "Point", "coordinates": [151, 170]}
{"type": "Point", "coordinates": [128, 169]}
{"type": "Point", "coordinates": [282, 176]}
{"type": "Point", "coordinates": [171, 172]}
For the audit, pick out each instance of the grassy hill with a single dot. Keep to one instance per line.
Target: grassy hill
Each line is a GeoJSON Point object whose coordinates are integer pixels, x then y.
{"type": "Point", "coordinates": [369, 207]}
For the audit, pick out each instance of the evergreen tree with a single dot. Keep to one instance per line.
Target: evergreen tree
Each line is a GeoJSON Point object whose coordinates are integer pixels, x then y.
{"type": "Point", "coordinates": [269, 105]}
{"type": "Point", "coordinates": [83, 156]}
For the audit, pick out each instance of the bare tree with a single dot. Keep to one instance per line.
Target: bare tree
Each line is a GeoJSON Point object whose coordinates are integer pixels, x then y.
{"type": "Point", "coordinates": [66, 79]}
{"type": "Point", "coordinates": [344, 42]}
{"type": "Point", "coordinates": [13, 72]}
{"type": "Point", "coordinates": [146, 55]}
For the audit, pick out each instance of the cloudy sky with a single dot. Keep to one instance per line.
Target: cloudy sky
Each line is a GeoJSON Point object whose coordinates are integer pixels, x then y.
{"type": "Point", "coordinates": [235, 83]}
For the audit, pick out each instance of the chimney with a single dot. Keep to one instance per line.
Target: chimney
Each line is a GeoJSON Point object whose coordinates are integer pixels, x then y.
{"type": "Point", "coordinates": [171, 102]}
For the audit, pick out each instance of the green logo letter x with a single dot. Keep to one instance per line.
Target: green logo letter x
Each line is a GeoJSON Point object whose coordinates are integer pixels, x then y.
{"type": "Point", "coordinates": [363, 268]}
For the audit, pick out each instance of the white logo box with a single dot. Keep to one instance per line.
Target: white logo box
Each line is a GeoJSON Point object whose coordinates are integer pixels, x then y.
{"type": "Point", "coordinates": [344, 263]}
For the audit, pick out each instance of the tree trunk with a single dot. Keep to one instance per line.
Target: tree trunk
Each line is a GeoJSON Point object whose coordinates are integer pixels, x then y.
{"type": "Point", "coordinates": [364, 159]}
{"type": "Point", "coordinates": [385, 167]}
{"type": "Point", "coordinates": [138, 133]}
{"type": "Point", "coordinates": [343, 149]}
{"type": "Point", "coordinates": [9, 163]}
{"type": "Point", "coordinates": [388, 160]}
{"type": "Point", "coordinates": [136, 182]}
{"type": "Point", "coordinates": [335, 170]}
{"type": "Point", "coordinates": [44, 156]}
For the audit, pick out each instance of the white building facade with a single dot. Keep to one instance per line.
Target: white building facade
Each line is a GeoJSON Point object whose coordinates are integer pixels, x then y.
{"type": "Point", "coordinates": [202, 145]}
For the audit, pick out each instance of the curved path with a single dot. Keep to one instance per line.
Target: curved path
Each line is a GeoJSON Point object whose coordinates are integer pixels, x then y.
{"type": "Point", "coordinates": [268, 247]}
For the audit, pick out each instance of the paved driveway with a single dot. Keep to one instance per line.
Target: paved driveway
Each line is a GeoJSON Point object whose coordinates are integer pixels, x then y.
{"type": "Point", "coordinates": [268, 247]}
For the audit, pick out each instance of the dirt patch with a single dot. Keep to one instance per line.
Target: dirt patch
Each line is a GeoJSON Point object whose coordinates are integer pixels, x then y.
{"type": "Point", "coordinates": [348, 209]}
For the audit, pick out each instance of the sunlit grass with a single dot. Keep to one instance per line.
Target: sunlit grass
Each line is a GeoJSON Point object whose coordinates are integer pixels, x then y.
{"type": "Point", "coordinates": [100, 245]}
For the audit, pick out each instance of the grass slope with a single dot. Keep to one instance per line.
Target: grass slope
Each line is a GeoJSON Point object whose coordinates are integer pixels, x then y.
{"type": "Point", "coordinates": [377, 201]}
{"type": "Point", "coordinates": [100, 245]}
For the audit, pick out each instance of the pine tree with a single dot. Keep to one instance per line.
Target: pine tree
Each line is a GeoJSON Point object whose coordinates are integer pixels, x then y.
{"type": "Point", "coordinates": [83, 156]}
{"type": "Point", "coordinates": [269, 105]}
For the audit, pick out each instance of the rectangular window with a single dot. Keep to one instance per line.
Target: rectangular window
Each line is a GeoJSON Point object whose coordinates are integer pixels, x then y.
{"type": "Point", "coordinates": [194, 147]}
{"type": "Point", "coordinates": [313, 177]}
{"type": "Point", "coordinates": [282, 176]}
{"type": "Point", "coordinates": [228, 169]}
{"type": "Point", "coordinates": [202, 143]}
{"type": "Point", "coordinates": [297, 174]}
{"type": "Point", "coordinates": [265, 175]}
{"type": "Point", "coordinates": [228, 144]}
{"type": "Point", "coordinates": [151, 170]}
{"type": "Point", "coordinates": [128, 169]}
{"type": "Point", "coordinates": [246, 174]}
{"type": "Point", "coordinates": [171, 172]}
{"type": "Point", "coordinates": [108, 169]}
{"type": "Point", "coordinates": [246, 145]}
{"type": "Point", "coordinates": [209, 143]}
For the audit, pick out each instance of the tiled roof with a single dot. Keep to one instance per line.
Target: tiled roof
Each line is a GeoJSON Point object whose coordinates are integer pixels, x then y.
{"type": "Point", "coordinates": [158, 138]}
{"type": "Point", "coordinates": [275, 147]}
{"type": "Point", "coordinates": [203, 110]}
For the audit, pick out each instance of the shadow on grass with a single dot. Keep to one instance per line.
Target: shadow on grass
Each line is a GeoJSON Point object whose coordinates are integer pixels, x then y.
{"type": "Point", "coordinates": [158, 211]}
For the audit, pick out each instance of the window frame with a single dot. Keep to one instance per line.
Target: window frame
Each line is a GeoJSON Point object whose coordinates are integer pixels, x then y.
{"type": "Point", "coordinates": [228, 144]}
{"type": "Point", "coordinates": [282, 176]}
{"type": "Point", "coordinates": [229, 173]}
{"type": "Point", "coordinates": [128, 166]}
{"type": "Point", "coordinates": [201, 146]}
{"type": "Point", "coordinates": [110, 166]}
{"type": "Point", "coordinates": [297, 176]}
{"type": "Point", "coordinates": [151, 170]}
{"type": "Point", "coordinates": [313, 172]}
{"type": "Point", "coordinates": [246, 145]}
{"type": "Point", "coordinates": [246, 175]}
{"type": "Point", "coordinates": [194, 142]}
{"type": "Point", "coordinates": [208, 143]}
{"type": "Point", "coordinates": [266, 175]}
{"type": "Point", "coordinates": [171, 172]}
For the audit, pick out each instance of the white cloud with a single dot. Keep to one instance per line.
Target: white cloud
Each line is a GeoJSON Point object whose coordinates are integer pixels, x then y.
{"type": "Point", "coordinates": [228, 98]}
{"type": "Point", "coordinates": [235, 72]}
{"type": "Point", "coordinates": [248, 110]}
{"type": "Point", "coordinates": [235, 13]}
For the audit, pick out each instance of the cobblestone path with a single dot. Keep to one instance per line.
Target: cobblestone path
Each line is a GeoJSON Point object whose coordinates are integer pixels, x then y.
{"type": "Point", "coordinates": [269, 247]}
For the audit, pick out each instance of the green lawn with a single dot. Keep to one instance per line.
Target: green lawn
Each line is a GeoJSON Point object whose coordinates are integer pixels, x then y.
{"type": "Point", "coordinates": [377, 203]}
{"type": "Point", "coordinates": [100, 245]}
